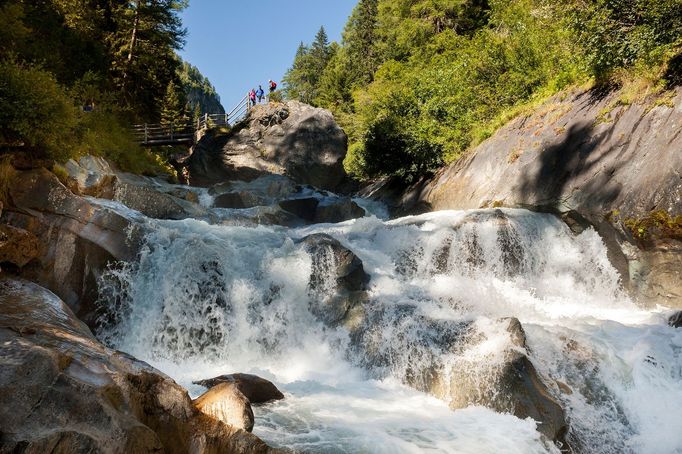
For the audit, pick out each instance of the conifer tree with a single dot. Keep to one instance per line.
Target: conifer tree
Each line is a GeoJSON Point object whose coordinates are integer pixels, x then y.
{"type": "Point", "coordinates": [359, 38]}
{"type": "Point", "coordinates": [172, 111]}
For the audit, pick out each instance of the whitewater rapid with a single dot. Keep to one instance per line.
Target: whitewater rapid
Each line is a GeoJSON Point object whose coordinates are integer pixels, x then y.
{"type": "Point", "coordinates": [206, 300]}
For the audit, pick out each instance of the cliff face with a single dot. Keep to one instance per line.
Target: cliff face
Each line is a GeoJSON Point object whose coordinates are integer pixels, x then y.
{"type": "Point", "coordinates": [593, 160]}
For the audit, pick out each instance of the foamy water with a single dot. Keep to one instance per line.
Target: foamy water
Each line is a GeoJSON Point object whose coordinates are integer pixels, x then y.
{"type": "Point", "coordinates": [206, 300]}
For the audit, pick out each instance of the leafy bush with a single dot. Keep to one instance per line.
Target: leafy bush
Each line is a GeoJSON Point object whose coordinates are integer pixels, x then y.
{"type": "Point", "coordinates": [416, 83]}
{"type": "Point", "coordinates": [276, 96]}
{"type": "Point", "coordinates": [430, 108]}
{"type": "Point", "coordinates": [37, 114]}
{"type": "Point", "coordinates": [102, 133]}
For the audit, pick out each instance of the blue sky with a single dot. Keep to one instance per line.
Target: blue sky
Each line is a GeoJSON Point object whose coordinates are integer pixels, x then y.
{"type": "Point", "coordinates": [239, 44]}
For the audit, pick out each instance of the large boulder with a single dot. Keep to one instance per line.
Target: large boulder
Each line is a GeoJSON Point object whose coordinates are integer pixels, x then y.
{"type": "Point", "coordinates": [92, 176]}
{"type": "Point", "coordinates": [293, 139]}
{"type": "Point", "coordinates": [226, 403]}
{"type": "Point", "coordinates": [155, 198]}
{"type": "Point", "coordinates": [78, 239]}
{"type": "Point", "coordinates": [512, 385]}
{"type": "Point", "coordinates": [258, 390]}
{"type": "Point", "coordinates": [329, 209]}
{"type": "Point", "coordinates": [430, 354]}
{"type": "Point", "coordinates": [63, 391]}
{"type": "Point", "coordinates": [338, 282]}
{"type": "Point", "coordinates": [589, 154]}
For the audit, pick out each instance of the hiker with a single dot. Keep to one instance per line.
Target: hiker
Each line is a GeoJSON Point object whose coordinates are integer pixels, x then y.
{"type": "Point", "coordinates": [260, 93]}
{"type": "Point", "coordinates": [252, 97]}
{"type": "Point", "coordinates": [273, 87]}
{"type": "Point", "coordinates": [184, 176]}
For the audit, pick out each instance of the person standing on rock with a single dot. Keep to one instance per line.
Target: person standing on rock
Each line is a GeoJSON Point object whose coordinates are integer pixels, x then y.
{"type": "Point", "coordinates": [252, 97]}
{"type": "Point", "coordinates": [260, 93]}
{"type": "Point", "coordinates": [273, 87]}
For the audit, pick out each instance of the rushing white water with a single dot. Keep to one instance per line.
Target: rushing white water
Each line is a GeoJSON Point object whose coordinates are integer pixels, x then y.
{"type": "Point", "coordinates": [206, 300]}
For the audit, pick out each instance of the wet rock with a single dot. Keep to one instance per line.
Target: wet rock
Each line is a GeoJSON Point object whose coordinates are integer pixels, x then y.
{"type": "Point", "coordinates": [293, 139]}
{"type": "Point", "coordinates": [226, 403]}
{"type": "Point", "coordinates": [63, 391]}
{"type": "Point", "coordinates": [512, 385]}
{"type": "Point", "coordinates": [258, 390]}
{"type": "Point", "coordinates": [430, 354]}
{"type": "Point", "coordinates": [153, 198]}
{"type": "Point", "coordinates": [568, 160]}
{"type": "Point", "coordinates": [79, 239]}
{"type": "Point", "coordinates": [334, 210]}
{"type": "Point", "coordinates": [261, 215]}
{"type": "Point", "coordinates": [516, 333]}
{"type": "Point", "coordinates": [326, 210]}
{"type": "Point", "coordinates": [240, 199]}
{"type": "Point", "coordinates": [675, 320]}
{"type": "Point", "coordinates": [338, 281]}
{"type": "Point", "coordinates": [304, 208]}
{"type": "Point", "coordinates": [17, 246]}
{"type": "Point", "coordinates": [91, 176]}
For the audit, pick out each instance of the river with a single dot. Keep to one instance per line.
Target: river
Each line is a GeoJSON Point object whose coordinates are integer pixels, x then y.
{"type": "Point", "coordinates": [207, 299]}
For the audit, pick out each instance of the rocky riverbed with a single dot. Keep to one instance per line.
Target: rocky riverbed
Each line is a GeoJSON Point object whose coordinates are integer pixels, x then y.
{"type": "Point", "coordinates": [326, 327]}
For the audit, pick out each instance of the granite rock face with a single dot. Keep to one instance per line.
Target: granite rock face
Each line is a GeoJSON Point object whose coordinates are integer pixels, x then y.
{"type": "Point", "coordinates": [77, 239]}
{"type": "Point", "coordinates": [294, 139]}
{"type": "Point", "coordinates": [153, 197]}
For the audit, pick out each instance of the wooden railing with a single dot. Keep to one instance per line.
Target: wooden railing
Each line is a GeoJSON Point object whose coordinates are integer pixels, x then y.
{"type": "Point", "coordinates": [188, 132]}
{"type": "Point", "coordinates": [164, 134]}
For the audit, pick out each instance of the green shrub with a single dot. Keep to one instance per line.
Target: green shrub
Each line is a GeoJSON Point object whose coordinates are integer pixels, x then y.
{"type": "Point", "coordinates": [36, 115]}
{"type": "Point", "coordinates": [276, 96]}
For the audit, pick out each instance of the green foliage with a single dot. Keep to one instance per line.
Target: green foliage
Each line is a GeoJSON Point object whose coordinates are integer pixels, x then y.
{"type": "Point", "coordinates": [201, 95]}
{"type": "Point", "coordinates": [416, 83]}
{"type": "Point", "coordinates": [302, 80]}
{"type": "Point", "coordinates": [276, 96]}
{"type": "Point", "coordinates": [173, 105]}
{"type": "Point", "coordinates": [75, 74]}
{"type": "Point", "coordinates": [620, 33]}
{"type": "Point", "coordinates": [37, 114]}
{"type": "Point", "coordinates": [657, 224]}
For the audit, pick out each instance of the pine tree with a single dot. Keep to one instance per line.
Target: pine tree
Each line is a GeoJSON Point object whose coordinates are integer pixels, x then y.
{"type": "Point", "coordinates": [302, 80]}
{"type": "Point", "coordinates": [196, 113]}
{"type": "Point", "coordinates": [359, 38]}
{"type": "Point", "coordinates": [296, 81]}
{"type": "Point", "coordinates": [319, 54]}
{"type": "Point", "coordinates": [172, 111]}
{"type": "Point", "coordinates": [146, 35]}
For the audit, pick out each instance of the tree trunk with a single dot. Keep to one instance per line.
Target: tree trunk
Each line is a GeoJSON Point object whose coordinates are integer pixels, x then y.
{"type": "Point", "coordinates": [133, 42]}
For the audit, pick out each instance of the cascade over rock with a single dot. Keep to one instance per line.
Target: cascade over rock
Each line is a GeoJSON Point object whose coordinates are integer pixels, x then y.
{"type": "Point", "coordinates": [338, 282]}
{"type": "Point", "coordinates": [63, 391]}
{"type": "Point", "coordinates": [292, 138]}
{"type": "Point", "coordinates": [583, 154]}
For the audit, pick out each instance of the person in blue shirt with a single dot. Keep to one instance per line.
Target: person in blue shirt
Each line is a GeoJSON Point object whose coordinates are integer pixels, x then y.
{"type": "Point", "coordinates": [260, 93]}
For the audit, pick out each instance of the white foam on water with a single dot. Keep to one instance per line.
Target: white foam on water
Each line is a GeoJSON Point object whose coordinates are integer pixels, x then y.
{"type": "Point", "coordinates": [206, 300]}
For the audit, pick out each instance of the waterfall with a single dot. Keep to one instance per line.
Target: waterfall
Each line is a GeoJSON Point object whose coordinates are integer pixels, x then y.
{"type": "Point", "coordinates": [436, 316]}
